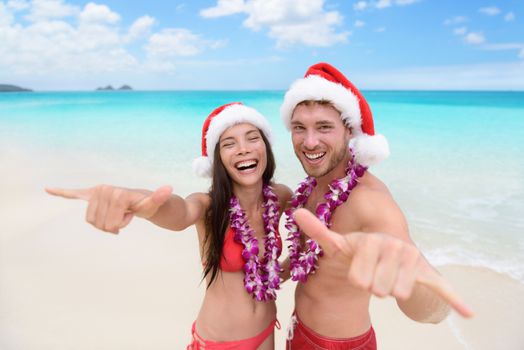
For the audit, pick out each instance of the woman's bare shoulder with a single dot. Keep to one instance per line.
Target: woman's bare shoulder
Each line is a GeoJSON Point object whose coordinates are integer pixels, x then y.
{"type": "Point", "coordinates": [283, 192]}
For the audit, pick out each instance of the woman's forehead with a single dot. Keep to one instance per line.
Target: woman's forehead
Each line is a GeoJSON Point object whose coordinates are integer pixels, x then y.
{"type": "Point", "coordinates": [239, 130]}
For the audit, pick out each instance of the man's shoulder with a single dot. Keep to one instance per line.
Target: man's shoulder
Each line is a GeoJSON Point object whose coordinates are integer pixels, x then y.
{"type": "Point", "coordinates": [369, 203]}
{"type": "Point", "coordinates": [369, 191]}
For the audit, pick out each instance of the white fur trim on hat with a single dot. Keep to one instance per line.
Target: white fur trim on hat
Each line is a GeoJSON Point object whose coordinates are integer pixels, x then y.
{"type": "Point", "coordinates": [231, 115]}
{"type": "Point", "coordinates": [202, 166]}
{"type": "Point", "coordinates": [316, 88]}
{"type": "Point", "coordinates": [369, 150]}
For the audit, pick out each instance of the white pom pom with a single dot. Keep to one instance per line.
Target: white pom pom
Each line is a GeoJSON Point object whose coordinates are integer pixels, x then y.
{"type": "Point", "coordinates": [370, 150]}
{"type": "Point", "coordinates": [202, 166]}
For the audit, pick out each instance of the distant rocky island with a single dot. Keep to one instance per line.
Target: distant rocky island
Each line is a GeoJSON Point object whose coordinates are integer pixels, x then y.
{"type": "Point", "coordinates": [111, 88]}
{"type": "Point", "coordinates": [12, 88]}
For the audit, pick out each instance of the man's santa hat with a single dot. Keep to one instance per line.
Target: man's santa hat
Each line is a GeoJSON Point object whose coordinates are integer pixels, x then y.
{"type": "Point", "coordinates": [323, 82]}
{"type": "Point", "coordinates": [216, 123]}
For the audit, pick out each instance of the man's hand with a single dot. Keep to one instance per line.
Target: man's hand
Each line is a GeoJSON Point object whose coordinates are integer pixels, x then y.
{"type": "Point", "coordinates": [380, 263]}
{"type": "Point", "coordinates": [112, 208]}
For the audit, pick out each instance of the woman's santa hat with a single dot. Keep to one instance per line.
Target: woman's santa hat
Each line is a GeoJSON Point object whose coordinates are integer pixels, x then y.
{"type": "Point", "coordinates": [323, 82]}
{"type": "Point", "coordinates": [216, 123]}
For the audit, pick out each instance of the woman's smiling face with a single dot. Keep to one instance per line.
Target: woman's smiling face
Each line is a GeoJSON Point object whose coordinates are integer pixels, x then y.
{"type": "Point", "coordinates": [243, 153]}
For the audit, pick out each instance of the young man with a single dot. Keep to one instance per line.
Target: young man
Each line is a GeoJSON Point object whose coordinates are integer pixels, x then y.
{"type": "Point", "coordinates": [369, 250]}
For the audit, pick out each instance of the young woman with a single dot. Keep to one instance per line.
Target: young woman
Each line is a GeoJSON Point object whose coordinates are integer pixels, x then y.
{"type": "Point", "coordinates": [237, 225]}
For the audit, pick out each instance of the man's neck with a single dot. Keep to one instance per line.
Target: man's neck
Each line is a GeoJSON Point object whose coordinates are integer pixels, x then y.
{"type": "Point", "coordinates": [337, 172]}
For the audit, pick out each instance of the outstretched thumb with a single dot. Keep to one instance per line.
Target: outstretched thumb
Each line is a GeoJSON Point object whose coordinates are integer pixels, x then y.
{"type": "Point", "coordinates": [148, 206]}
{"type": "Point", "coordinates": [330, 241]}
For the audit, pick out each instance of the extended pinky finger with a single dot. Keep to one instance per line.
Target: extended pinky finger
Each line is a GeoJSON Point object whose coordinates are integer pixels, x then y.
{"type": "Point", "coordinates": [440, 286]}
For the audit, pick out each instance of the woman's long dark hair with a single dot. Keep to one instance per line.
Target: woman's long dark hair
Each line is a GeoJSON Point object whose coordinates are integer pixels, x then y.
{"type": "Point", "coordinates": [217, 216]}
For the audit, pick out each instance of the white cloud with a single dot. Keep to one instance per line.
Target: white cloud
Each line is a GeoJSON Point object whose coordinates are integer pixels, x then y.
{"type": "Point", "coordinates": [42, 10]}
{"type": "Point", "coordinates": [18, 5]}
{"type": "Point", "coordinates": [477, 38]}
{"type": "Point", "coordinates": [456, 20]}
{"type": "Point", "coordinates": [360, 6]}
{"type": "Point", "coordinates": [224, 8]}
{"type": "Point", "coordinates": [490, 11]}
{"type": "Point", "coordinates": [159, 66]}
{"type": "Point", "coordinates": [6, 17]}
{"type": "Point", "coordinates": [509, 17]}
{"type": "Point", "coordinates": [55, 46]}
{"type": "Point", "coordinates": [289, 22]}
{"type": "Point", "coordinates": [61, 40]}
{"type": "Point", "coordinates": [505, 47]}
{"type": "Point", "coordinates": [140, 28]}
{"type": "Point", "coordinates": [460, 31]}
{"type": "Point", "coordinates": [405, 2]}
{"type": "Point", "coordinates": [175, 42]}
{"type": "Point", "coordinates": [474, 38]}
{"type": "Point", "coordinates": [359, 23]}
{"type": "Point", "coordinates": [95, 13]}
{"type": "Point", "coordinates": [383, 4]}
{"type": "Point", "coordinates": [380, 29]}
{"type": "Point", "coordinates": [318, 35]}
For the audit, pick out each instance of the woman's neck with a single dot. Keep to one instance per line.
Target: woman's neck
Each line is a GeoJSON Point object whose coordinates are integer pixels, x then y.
{"type": "Point", "coordinates": [250, 197]}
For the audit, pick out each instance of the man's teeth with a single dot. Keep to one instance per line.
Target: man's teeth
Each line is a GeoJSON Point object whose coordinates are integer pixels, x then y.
{"type": "Point", "coordinates": [246, 164]}
{"type": "Point", "coordinates": [314, 156]}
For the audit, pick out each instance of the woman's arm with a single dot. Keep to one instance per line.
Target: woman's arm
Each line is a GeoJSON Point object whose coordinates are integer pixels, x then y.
{"type": "Point", "coordinates": [112, 208]}
{"type": "Point", "coordinates": [178, 213]}
{"type": "Point", "coordinates": [284, 194]}
{"type": "Point", "coordinates": [286, 272]}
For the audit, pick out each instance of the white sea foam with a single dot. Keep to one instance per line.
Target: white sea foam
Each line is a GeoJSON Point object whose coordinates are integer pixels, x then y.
{"type": "Point", "coordinates": [457, 332]}
{"type": "Point", "coordinates": [510, 265]}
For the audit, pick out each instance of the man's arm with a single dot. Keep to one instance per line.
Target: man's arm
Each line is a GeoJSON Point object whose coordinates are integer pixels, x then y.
{"type": "Point", "coordinates": [380, 213]}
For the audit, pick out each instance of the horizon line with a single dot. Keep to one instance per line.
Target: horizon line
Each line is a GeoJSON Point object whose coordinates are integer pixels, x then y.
{"type": "Point", "coordinates": [262, 90]}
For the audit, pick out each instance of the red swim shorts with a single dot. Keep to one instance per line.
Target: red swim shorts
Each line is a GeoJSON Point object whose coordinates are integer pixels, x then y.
{"type": "Point", "coordinates": [300, 337]}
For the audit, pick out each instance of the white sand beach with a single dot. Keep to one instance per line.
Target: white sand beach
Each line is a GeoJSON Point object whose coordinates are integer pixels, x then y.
{"type": "Point", "coordinates": [64, 285]}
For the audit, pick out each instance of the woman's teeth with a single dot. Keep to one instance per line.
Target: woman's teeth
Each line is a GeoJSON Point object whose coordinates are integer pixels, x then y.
{"type": "Point", "coordinates": [246, 165]}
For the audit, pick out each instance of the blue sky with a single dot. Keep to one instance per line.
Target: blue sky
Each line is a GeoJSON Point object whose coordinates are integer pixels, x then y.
{"type": "Point", "coordinates": [261, 44]}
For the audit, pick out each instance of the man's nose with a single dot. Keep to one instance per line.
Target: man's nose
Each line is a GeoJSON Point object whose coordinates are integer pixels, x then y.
{"type": "Point", "coordinates": [311, 140]}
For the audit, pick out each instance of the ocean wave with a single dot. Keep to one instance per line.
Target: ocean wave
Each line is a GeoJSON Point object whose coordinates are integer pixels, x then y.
{"type": "Point", "coordinates": [512, 266]}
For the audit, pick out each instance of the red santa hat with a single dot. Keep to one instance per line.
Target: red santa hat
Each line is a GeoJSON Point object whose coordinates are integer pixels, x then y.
{"type": "Point", "coordinates": [216, 123]}
{"type": "Point", "coordinates": [324, 82]}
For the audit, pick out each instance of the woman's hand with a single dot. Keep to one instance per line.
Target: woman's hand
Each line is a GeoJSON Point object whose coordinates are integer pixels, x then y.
{"type": "Point", "coordinates": [112, 208]}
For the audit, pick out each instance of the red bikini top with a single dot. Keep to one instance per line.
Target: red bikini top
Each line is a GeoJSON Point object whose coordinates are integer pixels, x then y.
{"type": "Point", "coordinates": [231, 260]}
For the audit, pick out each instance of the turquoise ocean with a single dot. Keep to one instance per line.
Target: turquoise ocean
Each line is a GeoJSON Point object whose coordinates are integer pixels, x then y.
{"type": "Point", "coordinates": [456, 166]}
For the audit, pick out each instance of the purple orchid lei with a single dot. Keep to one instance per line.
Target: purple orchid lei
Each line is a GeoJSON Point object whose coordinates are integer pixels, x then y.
{"type": "Point", "coordinates": [262, 276]}
{"type": "Point", "coordinates": [303, 263]}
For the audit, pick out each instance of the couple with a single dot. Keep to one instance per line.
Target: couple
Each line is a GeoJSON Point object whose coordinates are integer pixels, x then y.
{"type": "Point", "coordinates": [356, 245]}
